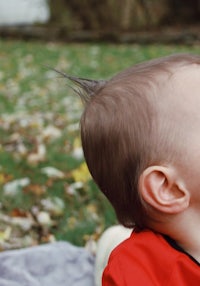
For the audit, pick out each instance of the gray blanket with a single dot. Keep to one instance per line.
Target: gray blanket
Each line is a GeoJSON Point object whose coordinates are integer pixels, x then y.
{"type": "Point", "coordinates": [55, 264]}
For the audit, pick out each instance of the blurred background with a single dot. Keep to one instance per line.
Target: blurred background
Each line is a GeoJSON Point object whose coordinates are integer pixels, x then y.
{"type": "Point", "coordinates": [108, 20]}
{"type": "Point", "coordinates": [46, 192]}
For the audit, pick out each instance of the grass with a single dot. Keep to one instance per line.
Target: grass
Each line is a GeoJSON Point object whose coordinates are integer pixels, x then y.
{"type": "Point", "coordinates": [32, 98]}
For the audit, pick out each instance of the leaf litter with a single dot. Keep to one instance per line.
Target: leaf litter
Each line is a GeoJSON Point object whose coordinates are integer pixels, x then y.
{"type": "Point", "coordinates": [45, 187]}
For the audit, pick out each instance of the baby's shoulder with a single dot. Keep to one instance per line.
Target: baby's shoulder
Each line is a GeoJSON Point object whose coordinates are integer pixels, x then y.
{"type": "Point", "coordinates": [147, 258]}
{"type": "Point", "coordinates": [146, 246]}
{"type": "Point", "coordinates": [144, 258]}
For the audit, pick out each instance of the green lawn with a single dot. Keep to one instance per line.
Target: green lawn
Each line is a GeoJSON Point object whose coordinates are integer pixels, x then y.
{"type": "Point", "coordinates": [39, 128]}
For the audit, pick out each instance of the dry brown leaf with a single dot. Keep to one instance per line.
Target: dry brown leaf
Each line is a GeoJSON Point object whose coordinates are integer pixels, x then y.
{"type": "Point", "coordinates": [19, 213]}
{"type": "Point", "coordinates": [37, 190]}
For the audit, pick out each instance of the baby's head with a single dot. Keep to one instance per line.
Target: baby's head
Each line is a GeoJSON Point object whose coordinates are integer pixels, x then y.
{"type": "Point", "coordinates": [133, 128]}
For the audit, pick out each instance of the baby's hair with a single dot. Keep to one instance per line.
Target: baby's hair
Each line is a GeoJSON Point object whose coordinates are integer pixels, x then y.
{"type": "Point", "coordinates": [86, 87]}
{"type": "Point", "coordinates": [120, 132]}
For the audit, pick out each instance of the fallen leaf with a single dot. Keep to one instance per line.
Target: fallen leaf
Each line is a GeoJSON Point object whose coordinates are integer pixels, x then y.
{"type": "Point", "coordinates": [52, 172]}
{"type": "Point", "coordinates": [5, 234]}
{"type": "Point", "coordinates": [71, 189]}
{"type": "Point", "coordinates": [37, 190]}
{"type": "Point", "coordinates": [55, 206]}
{"type": "Point", "coordinates": [51, 132]}
{"type": "Point", "coordinates": [25, 223]}
{"type": "Point", "coordinates": [81, 174]}
{"type": "Point", "coordinates": [77, 153]}
{"type": "Point", "coordinates": [4, 178]}
{"type": "Point", "coordinates": [38, 156]}
{"type": "Point", "coordinates": [12, 188]}
{"type": "Point", "coordinates": [18, 213]}
{"type": "Point", "coordinates": [44, 219]}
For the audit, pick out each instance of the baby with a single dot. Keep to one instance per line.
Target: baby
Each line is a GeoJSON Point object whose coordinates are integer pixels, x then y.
{"type": "Point", "coordinates": [141, 139]}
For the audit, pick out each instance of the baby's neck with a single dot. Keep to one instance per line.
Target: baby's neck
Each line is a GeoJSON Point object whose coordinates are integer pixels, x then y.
{"type": "Point", "coordinates": [191, 245]}
{"type": "Point", "coordinates": [185, 232]}
{"type": "Point", "coordinates": [187, 236]}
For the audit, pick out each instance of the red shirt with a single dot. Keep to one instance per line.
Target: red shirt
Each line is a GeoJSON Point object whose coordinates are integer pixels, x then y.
{"type": "Point", "coordinates": [148, 259]}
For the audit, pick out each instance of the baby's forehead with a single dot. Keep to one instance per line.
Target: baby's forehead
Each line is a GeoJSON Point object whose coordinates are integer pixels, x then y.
{"type": "Point", "coordinates": [179, 98]}
{"type": "Point", "coordinates": [181, 82]}
{"type": "Point", "coordinates": [186, 81]}
{"type": "Point", "coordinates": [187, 71]}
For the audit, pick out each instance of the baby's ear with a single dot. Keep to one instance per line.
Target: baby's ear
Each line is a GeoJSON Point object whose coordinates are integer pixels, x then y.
{"type": "Point", "coordinates": [161, 188]}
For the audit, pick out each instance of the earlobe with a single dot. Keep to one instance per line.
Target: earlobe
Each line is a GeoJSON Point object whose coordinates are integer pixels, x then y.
{"type": "Point", "coordinates": [161, 188]}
